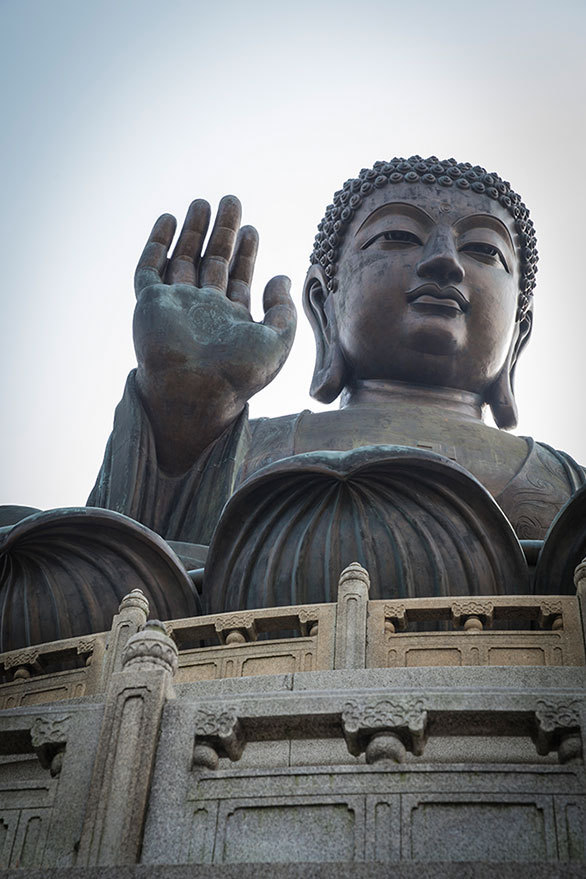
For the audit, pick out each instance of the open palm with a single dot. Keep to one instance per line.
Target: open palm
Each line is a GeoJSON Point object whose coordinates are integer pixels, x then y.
{"type": "Point", "coordinates": [200, 354]}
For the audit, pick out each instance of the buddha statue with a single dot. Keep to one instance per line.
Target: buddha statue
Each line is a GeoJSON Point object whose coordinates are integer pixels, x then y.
{"type": "Point", "coordinates": [420, 297]}
{"type": "Point", "coordinates": [419, 293]}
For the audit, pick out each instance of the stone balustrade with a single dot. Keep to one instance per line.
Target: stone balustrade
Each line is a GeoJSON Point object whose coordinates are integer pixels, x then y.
{"type": "Point", "coordinates": [352, 633]}
{"type": "Point", "coordinates": [389, 731]}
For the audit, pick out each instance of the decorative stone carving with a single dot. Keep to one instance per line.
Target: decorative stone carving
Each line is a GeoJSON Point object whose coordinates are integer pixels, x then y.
{"type": "Point", "coordinates": [553, 716]}
{"type": "Point", "coordinates": [217, 729]}
{"type": "Point", "coordinates": [384, 714]}
{"type": "Point", "coordinates": [204, 756]}
{"type": "Point", "coordinates": [550, 615]}
{"type": "Point", "coordinates": [135, 598]}
{"type": "Point", "coordinates": [306, 615]}
{"type": "Point", "coordinates": [550, 608]}
{"type": "Point", "coordinates": [558, 727]}
{"type": "Point", "coordinates": [385, 746]}
{"type": "Point", "coordinates": [86, 645]}
{"type": "Point", "coordinates": [22, 658]}
{"type": "Point", "coordinates": [234, 625]}
{"type": "Point", "coordinates": [48, 738]}
{"type": "Point", "coordinates": [49, 730]}
{"type": "Point", "coordinates": [404, 719]}
{"type": "Point", "coordinates": [151, 647]}
{"type": "Point", "coordinates": [479, 613]}
{"type": "Point", "coordinates": [308, 622]}
{"type": "Point", "coordinates": [220, 723]}
{"type": "Point", "coordinates": [395, 617]}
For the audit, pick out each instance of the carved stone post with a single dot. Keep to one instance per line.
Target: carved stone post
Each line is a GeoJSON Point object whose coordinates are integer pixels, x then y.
{"type": "Point", "coordinates": [353, 588]}
{"type": "Point", "coordinates": [132, 615]}
{"type": "Point", "coordinates": [385, 729]}
{"type": "Point", "coordinates": [114, 819]}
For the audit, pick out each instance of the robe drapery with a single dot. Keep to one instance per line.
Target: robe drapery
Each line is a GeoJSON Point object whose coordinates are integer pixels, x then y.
{"type": "Point", "coordinates": [187, 507]}
{"type": "Point", "coordinates": [292, 515]}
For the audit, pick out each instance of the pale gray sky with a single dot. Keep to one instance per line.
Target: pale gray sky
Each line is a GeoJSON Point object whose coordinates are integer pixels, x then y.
{"type": "Point", "coordinates": [114, 111]}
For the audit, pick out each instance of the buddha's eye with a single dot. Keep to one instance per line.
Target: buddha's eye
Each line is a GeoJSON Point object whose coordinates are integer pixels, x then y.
{"type": "Point", "coordinates": [397, 237]}
{"type": "Point", "coordinates": [487, 253]}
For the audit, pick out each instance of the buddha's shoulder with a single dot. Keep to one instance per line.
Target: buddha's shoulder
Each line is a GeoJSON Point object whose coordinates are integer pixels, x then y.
{"type": "Point", "coordinates": [539, 489]}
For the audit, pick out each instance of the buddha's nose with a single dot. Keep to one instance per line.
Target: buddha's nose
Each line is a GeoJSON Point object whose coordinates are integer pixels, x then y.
{"type": "Point", "coordinates": [440, 261]}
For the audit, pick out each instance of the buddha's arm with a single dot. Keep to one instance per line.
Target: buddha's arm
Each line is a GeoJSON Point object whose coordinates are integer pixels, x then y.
{"type": "Point", "coordinates": [200, 354]}
{"type": "Point", "coordinates": [130, 481]}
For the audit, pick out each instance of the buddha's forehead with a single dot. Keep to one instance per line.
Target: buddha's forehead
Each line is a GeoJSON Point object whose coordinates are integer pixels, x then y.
{"type": "Point", "coordinates": [434, 204]}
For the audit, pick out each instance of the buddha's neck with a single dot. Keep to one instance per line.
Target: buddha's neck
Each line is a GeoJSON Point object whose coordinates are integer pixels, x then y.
{"type": "Point", "coordinates": [374, 392]}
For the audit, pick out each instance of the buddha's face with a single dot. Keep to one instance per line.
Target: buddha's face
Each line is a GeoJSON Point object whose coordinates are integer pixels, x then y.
{"type": "Point", "coordinates": [428, 282]}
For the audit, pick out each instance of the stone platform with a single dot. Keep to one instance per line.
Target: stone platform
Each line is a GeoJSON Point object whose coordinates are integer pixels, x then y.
{"type": "Point", "coordinates": [429, 735]}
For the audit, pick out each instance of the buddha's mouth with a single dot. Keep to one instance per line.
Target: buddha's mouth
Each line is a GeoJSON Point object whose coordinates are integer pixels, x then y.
{"type": "Point", "coordinates": [439, 300]}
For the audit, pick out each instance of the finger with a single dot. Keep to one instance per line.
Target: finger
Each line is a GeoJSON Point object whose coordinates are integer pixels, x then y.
{"type": "Point", "coordinates": [280, 313]}
{"type": "Point", "coordinates": [151, 265]}
{"type": "Point", "coordinates": [215, 263]}
{"type": "Point", "coordinates": [187, 251]}
{"type": "Point", "coordinates": [242, 266]}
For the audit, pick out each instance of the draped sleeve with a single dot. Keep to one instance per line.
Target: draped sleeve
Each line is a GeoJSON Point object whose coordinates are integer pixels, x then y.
{"type": "Point", "coordinates": [183, 508]}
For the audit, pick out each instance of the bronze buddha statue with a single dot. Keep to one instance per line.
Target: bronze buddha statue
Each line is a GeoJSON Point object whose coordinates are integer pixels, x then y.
{"type": "Point", "coordinates": [420, 295]}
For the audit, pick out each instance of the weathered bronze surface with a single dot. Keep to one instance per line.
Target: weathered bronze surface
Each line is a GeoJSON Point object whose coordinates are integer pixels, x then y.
{"type": "Point", "coordinates": [421, 523]}
{"type": "Point", "coordinates": [63, 571]}
{"type": "Point", "coordinates": [420, 297]}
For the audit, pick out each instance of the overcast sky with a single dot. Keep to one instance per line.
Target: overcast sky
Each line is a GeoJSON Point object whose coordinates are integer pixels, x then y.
{"type": "Point", "coordinates": [113, 112]}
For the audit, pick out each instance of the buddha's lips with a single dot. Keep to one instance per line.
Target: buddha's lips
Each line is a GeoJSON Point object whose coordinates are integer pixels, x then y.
{"type": "Point", "coordinates": [435, 296]}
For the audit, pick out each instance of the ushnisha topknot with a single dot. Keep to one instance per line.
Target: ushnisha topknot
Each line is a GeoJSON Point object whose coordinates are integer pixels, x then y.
{"type": "Point", "coordinates": [445, 172]}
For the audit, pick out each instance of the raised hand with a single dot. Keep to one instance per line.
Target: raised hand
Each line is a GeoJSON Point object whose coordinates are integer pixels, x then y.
{"type": "Point", "coordinates": [200, 354]}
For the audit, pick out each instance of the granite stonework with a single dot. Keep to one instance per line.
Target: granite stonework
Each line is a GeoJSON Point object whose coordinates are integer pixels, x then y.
{"type": "Point", "coordinates": [306, 870]}
{"type": "Point", "coordinates": [373, 744]}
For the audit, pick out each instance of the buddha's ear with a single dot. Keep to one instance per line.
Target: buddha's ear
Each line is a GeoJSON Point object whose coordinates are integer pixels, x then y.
{"type": "Point", "coordinates": [501, 395]}
{"type": "Point", "coordinates": [329, 374]}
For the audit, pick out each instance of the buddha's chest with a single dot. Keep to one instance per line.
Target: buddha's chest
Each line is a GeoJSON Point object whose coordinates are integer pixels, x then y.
{"type": "Point", "coordinates": [492, 456]}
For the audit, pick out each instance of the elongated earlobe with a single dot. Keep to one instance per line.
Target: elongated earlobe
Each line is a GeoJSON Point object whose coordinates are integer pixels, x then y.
{"type": "Point", "coordinates": [501, 396]}
{"type": "Point", "coordinates": [501, 400]}
{"type": "Point", "coordinates": [329, 374]}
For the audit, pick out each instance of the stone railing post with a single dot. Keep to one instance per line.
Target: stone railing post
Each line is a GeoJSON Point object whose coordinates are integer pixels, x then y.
{"type": "Point", "coordinates": [351, 614]}
{"type": "Point", "coordinates": [116, 808]}
{"type": "Point", "coordinates": [131, 617]}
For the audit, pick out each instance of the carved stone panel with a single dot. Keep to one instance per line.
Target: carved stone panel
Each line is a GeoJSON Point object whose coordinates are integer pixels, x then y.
{"type": "Point", "coordinates": [558, 726]}
{"type": "Point", "coordinates": [407, 718]}
{"type": "Point", "coordinates": [49, 737]}
{"type": "Point", "coordinates": [219, 728]}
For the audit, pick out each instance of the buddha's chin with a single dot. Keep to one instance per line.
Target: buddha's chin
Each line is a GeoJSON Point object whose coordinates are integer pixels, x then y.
{"type": "Point", "coordinates": [437, 335]}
